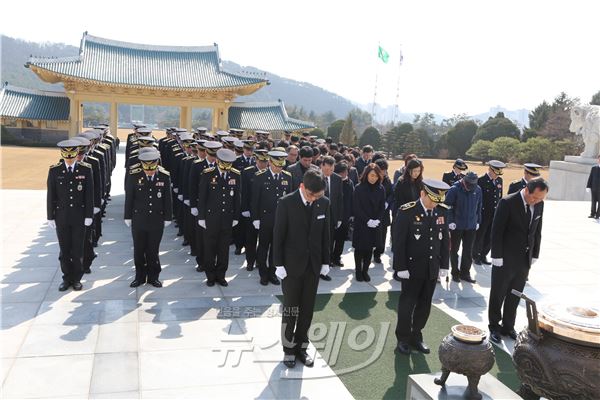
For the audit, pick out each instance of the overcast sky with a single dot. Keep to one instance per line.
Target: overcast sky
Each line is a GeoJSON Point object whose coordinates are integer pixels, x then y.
{"type": "Point", "coordinates": [459, 56]}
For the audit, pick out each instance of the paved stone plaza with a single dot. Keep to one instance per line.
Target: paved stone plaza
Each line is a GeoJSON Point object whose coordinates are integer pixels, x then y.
{"type": "Point", "coordinates": [188, 340]}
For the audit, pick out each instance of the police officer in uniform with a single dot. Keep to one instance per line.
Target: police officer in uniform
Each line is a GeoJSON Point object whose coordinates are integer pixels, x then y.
{"type": "Point", "coordinates": [218, 207]}
{"type": "Point", "coordinates": [530, 171]}
{"type": "Point", "coordinates": [457, 173]}
{"type": "Point", "coordinates": [70, 209]}
{"type": "Point", "coordinates": [491, 190]}
{"type": "Point", "coordinates": [147, 211]}
{"type": "Point", "coordinates": [244, 160]}
{"type": "Point", "coordinates": [421, 254]}
{"type": "Point", "coordinates": [248, 174]}
{"type": "Point", "coordinates": [268, 187]}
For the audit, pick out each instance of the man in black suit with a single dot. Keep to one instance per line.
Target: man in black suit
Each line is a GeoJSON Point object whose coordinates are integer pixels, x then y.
{"type": "Point", "coordinates": [457, 173]}
{"type": "Point", "coordinates": [593, 187]}
{"type": "Point", "coordinates": [364, 159]}
{"type": "Point", "coordinates": [530, 171]}
{"type": "Point", "coordinates": [301, 251]}
{"type": "Point", "coordinates": [421, 249]}
{"type": "Point", "coordinates": [300, 167]}
{"type": "Point", "coordinates": [516, 237]}
{"type": "Point", "coordinates": [491, 190]}
{"type": "Point", "coordinates": [70, 209]}
{"type": "Point", "coordinates": [334, 192]}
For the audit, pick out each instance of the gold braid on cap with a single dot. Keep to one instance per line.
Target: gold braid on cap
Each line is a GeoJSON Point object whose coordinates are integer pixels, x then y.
{"type": "Point", "coordinates": [277, 162]}
{"type": "Point", "coordinates": [69, 152]}
{"type": "Point", "coordinates": [534, 172]}
{"type": "Point", "coordinates": [435, 197]}
{"type": "Point", "coordinates": [149, 165]}
{"type": "Point", "coordinates": [223, 166]}
{"type": "Point", "coordinates": [497, 171]}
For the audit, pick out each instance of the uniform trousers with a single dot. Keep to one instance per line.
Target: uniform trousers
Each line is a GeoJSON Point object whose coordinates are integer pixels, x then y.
{"type": "Point", "coordinates": [217, 237]}
{"type": "Point", "coordinates": [483, 239]}
{"type": "Point", "coordinates": [503, 304]}
{"type": "Point", "coordinates": [264, 252]}
{"type": "Point", "coordinates": [250, 241]}
{"type": "Point", "coordinates": [146, 243]}
{"type": "Point", "coordinates": [414, 306]}
{"type": "Point", "coordinates": [71, 235]}
{"type": "Point", "coordinates": [595, 204]}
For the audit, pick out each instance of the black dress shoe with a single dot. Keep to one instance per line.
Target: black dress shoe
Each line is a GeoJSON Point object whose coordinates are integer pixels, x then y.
{"type": "Point", "coordinates": [485, 261]}
{"type": "Point", "coordinates": [366, 276]}
{"type": "Point", "coordinates": [250, 267]}
{"type": "Point", "coordinates": [467, 279]}
{"type": "Point", "coordinates": [305, 359]}
{"type": "Point", "coordinates": [274, 281]}
{"type": "Point", "coordinates": [95, 244]}
{"type": "Point", "coordinates": [185, 243]}
{"type": "Point", "coordinates": [237, 252]}
{"type": "Point", "coordinates": [155, 283]}
{"type": "Point", "coordinates": [422, 347]}
{"type": "Point", "coordinates": [222, 282]}
{"type": "Point", "coordinates": [377, 260]}
{"type": "Point", "coordinates": [64, 286]}
{"type": "Point", "coordinates": [396, 277]}
{"type": "Point", "coordinates": [455, 278]}
{"type": "Point", "coordinates": [591, 216]}
{"type": "Point", "coordinates": [337, 263]}
{"type": "Point", "coordinates": [264, 281]}
{"type": "Point", "coordinates": [289, 361]}
{"type": "Point", "coordinates": [192, 253]}
{"type": "Point", "coordinates": [199, 268]}
{"type": "Point", "coordinates": [495, 337]}
{"type": "Point", "coordinates": [87, 271]}
{"type": "Point", "coordinates": [325, 277]}
{"type": "Point", "coordinates": [210, 283]}
{"type": "Point", "coordinates": [135, 283]}
{"type": "Point", "coordinates": [512, 334]}
{"type": "Point", "coordinates": [359, 276]}
{"type": "Point", "coordinates": [179, 233]}
{"type": "Point", "coordinates": [77, 286]}
{"type": "Point", "coordinates": [403, 348]}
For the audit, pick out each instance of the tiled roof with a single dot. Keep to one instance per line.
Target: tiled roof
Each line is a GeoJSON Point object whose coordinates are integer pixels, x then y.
{"type": "Point", "coordinates": [120, 63]}
{"type": "Point", "coordinates": [264, 116]}
{"type": "Point", "coordinates": [16, 102]}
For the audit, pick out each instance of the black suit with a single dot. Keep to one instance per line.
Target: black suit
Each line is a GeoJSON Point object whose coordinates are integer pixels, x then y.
{"type": "Point", "coordinates": [491, 191]}
{"type": "Point", "coordinates": [516, 242]}
{"type": "Point", "coordinates": [341, 234]}
{"type": "Point", "coordinates": [251, 234]}
{"type": "Point", "coordinates": [297, 171]}
{"type": "Point", "coordinates": [593, 184]}
{"type": "Point", "coordinates": [360, 165]}
{"type": "Point", "coordinates": [517, 185]}
{"type": "Point", "coordinates": [334, 192]}
{"type": "Point", "coordinates": [421, 245]}
{"type": "Point", "coordinates": [301, 245]}
{"type": "Point", "coordinates": [148, 205]}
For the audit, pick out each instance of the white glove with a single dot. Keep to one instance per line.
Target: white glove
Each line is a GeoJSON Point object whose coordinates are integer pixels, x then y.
{"type": "Point", "coordinates": [280, 272]}
{"type": "Point", "coordinates": [477, 227]}
{"type": "Point", "coordinates": [452, 226]}
{"type": "Point", "coordinates": [588, 190]}
{"type": "Point", "coordinates": [194, 211]}
{"type": "Point", "coordinates": [186, 202]}
{"type": "Point", "coordinates": [339, 223]}
{"type": "Point", "coordinates": [386, 205]}
{"type": "Point", "coordinates": [533, 260]}
{"type": "Point", "coordinates": [497, 262]}
{"type": "Point", "coordinates": [180, 197]}
{"type": "Point", "coordinates": [87, 221]}
{"type": "Point", "coordinates": [102, 201]}
{"type": "Point", "coordinates": [376, 222]}
{"type": "Point", "coordinates": [256, 224]}
{"type": "Point", "coordinates": [246, 214]}
{"type": "Point", "coordinates": [234, 223]}
{"type": "Point", "coordinates": [128, 222]}
{"type": "Point", "coordinates": [167, 223]}
{"type": "Point", "coordinates": [52, 223]}
{"type": "Point", "coordinates": [176, 190]}
{"type": "Point", "coordinates": [371, 223]}
{"type": "Point", "coordinates": [403, 274]}
{"type": "Point", "coordinates": [202, 223]}
{"type": "Point", "coordinates": [96, 210]}
{"type": "Point", "coordinates": [443, 273]}
{"type": "Point", "coordinates": [324, 269]}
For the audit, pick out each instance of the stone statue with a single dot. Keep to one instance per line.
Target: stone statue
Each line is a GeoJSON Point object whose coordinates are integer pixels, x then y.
{"type": "Point", "coordinates": [585, 121]}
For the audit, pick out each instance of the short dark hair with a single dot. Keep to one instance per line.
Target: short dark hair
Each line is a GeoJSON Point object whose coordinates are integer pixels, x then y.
{"type": "Point", "coordinates": [333, 146]}
{"type": "Point", "coordinates": [340, 167]}
{"type": "Point", "coordinates": [537, 183]}
{"type": "Point", "coordinates": [291, 147]}
{"type": "Point", "coordinates": [323, 149]}
{"type": "Point", "coordinates": [313, 180]}
{"type": "Point", "coordinates": [382, 164]}
{"type": "Point", "coordinates": [338, 157]}
{"type": "Point", "coordinates": [305, 152]}
{"type": "Point", "coordinates": [316, 151]}
{"type": "Point", "coordinates": [283, 143]}
{"type": "Point", "coordinates": [328, 160]}
{"type": "Point", "coordinates": [367, 149]}
{"type": "Point", "coordinates": [377, 156]}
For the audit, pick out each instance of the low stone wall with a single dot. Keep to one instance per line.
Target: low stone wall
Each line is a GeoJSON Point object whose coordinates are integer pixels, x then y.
{"type": "Point", "coordinates": [568, 178]}
{"type": "Point", "coordinates": [33, 136]}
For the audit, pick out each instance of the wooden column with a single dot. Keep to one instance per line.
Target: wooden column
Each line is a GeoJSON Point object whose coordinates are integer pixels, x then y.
{"type": "Point", "coordinates": [114, 119]}
{"type": "Point", "coordinates": [185, 117]}
{"type": "Point", "coordinates": [74, 116]}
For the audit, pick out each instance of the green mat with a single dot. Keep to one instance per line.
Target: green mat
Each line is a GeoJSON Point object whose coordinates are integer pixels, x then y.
{"type": "Point", "coordinates": [376, 371]}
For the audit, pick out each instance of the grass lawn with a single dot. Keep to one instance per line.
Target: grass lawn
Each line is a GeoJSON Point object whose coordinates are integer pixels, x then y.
{"type": "Point", "coordinates": [386, 376]}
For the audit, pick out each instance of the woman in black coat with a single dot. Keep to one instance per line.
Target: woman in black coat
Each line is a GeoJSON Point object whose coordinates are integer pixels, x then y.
{"type": "Point", "coordinates": [408, 187]}
{"type": "Point", "coordinates": [389, 204]}
{"type": "Point", "coordinates": [369, 208]}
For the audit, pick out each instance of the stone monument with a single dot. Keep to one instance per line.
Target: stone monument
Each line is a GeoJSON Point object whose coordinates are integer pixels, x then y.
{"type": "Point", "coordinates": [568, 178]}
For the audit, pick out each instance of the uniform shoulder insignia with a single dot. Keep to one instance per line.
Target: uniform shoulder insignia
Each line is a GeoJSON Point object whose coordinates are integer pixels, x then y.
{"type": "Point", "coordinates": [408, 205]}
{"type": "Point", "coordinates": [58, 164]}
{"type": "Point", "coordinates": [445, 206]}
{"type": "Point", "coordinates": [85, 164]}
{"type": "Point", "coordinates": [248, 168]}
{"type": "Point", "coordinates": [164, 171]}
{"type": "Point", "coordinates": [261, 172]}
{"type": "Point", "coordinates": [235, 171]}
{"type": "Point", "coordinates": [134, 151]}
{"type": "Point", "coordinates": [198, 161]}
{"type": "Point", "coordinates": [136, 165]}
{"type": "Point", "coordinates": [206, 170]}
{"type": "Point", "coordinates": [286, 172]}
{"type": "Point", "coordinates": [135, 171]}
{"type": "Point", "coordinates": [104, 146]}
{"type": "Point", "coordinates": [178, 153]}
{"type": "Point", "coordinates": [93, 158]}
{"type": "Point", "coordinates": [515, 181]}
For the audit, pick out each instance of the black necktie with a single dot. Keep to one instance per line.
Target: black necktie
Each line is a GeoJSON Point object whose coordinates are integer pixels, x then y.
{"type": "Point", "coordinates": [70, 169]}
{"type": "Point", "coordinates": [528, 213]}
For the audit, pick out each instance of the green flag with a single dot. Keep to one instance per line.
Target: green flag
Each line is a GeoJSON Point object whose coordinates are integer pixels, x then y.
{"type": "Point", "coordinates": [383, 55]}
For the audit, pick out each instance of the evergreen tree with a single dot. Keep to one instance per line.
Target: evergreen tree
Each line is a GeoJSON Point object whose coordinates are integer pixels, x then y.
{"type": "Point", "coordinates": [348, 135]}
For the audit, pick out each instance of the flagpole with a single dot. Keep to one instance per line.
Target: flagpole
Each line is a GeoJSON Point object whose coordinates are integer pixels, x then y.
{"type": "Point", "coordinates": [397, 105]}
{"type": "Point", "coordinates": [374, 99]}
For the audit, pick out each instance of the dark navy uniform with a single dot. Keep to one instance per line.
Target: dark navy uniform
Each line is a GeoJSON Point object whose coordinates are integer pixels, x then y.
{"type": "Point", "coordinates": [218, 206]}
{"type": "Point", "coordinates": [491, 191]}
{"type": "Point", "coordinates": [451, 178]}
{"type": "Point", "coordinates": [69, 202]}
{"type": "Point", "coordinates": [421, 246]}
{"type": "Point", "coordinates": [148, 205]}
{"type": "Point", "coordinates": [517, 185]}
{"type": "Point", "coordinates": [267, 189]}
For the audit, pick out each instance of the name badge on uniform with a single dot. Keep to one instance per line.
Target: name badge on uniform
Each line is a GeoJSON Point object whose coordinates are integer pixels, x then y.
{"type": "Point", "coordinates": [284, 183]}
{"type": "Point", "coordinates": [159, 183]}
{"type": "Point", "coordinates": [80, 187]}
{"type": "Point", "coordinates": [321, 216]}
{"type": "Point", "coordinates": [159, 195]}
{"type": "Point", "coordinates": [440, 221]}
{"type": "Point", "coordinates": [232, 182]}
{"type": "Point", "coordinates": [80, 177]}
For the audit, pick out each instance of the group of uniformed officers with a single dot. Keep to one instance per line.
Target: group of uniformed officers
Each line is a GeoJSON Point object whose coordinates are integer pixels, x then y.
{"type": "Point", "coordinates": [223, 189]}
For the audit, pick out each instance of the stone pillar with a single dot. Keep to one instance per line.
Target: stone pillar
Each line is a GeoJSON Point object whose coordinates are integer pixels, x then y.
{"type": "Point", "coordinates": [114, 119]}
{"type": "Point", "coordinates": [185, 117]}
{"type": "Point", "coordinates": [215, 120]}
